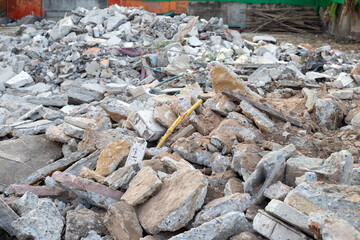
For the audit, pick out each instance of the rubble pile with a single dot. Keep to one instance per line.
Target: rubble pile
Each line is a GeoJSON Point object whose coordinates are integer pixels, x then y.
{"type": "Point", "coordinates": [120, 124]}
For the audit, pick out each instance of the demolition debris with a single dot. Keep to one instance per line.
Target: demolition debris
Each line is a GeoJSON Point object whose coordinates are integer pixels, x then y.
{"type": "Point", "coordinates": [120, 124]}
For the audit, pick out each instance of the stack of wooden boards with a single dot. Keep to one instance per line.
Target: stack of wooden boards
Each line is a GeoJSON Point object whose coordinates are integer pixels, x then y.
{"type": "Point", "coordinates": [294, 19]}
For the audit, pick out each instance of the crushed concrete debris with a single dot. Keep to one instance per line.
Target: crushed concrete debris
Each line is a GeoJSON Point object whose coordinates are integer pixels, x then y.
{"type": "Point", "coordinates": [270, 151]}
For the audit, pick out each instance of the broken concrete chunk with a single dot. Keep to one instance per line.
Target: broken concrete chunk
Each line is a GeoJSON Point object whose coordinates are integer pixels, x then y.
{"type": "Point", "coordinates": [289, 215]}
{"type": "Point", "coordinates": [79, 223]}
{"type": "Point", "coordinates": [328, 113]}
{"type": "Point", "coordinates": [164, 115]}
{"type": "Point", "coordinates": [220, 104]}
{"type": "Point", "coordinates": [79, 122]}
{"type": "Point", "coordinates": [145, 184]}
{"type": "Point", "coordinates": [32, 128]}
{"type": "Point", "coordinates": [234, 185]}
{"type": "Point", "coordinates": [175, 204]}
{"type": "Point", "coordinates": [73, 131]}
{"type": "Point", "coordinates": [146, 126]}
{"type": "Point", "coordinates": [116, 109]}
{"type": "Point", "coordinates": [7, 217]}
{"type": "Point", "coordinates": [25, 155]}
{"type": "Point", "coordinates": [193, 149]}
{"type": "Point", "coordinates": [58, 100]}
{"type": "Point", "coordinates": [122, 222]}
{"type": "Point", "coordinates": [329, 226]}
{"type": "Point", "coordinates": [110, 158]}
{"type": "Point", "coordinates": [121, 177]}
{"type": "Point", "coordinates": [42, 222]}
{"type": "Point", "coordinates": [298, 165]}
{"type": "Point", "coordinates": [222, 78]}
{"type": "Point", "coordinates": [269, 170]}
{"type": "Point", "coordinates": [41, 191]}
{"type": "Point", "coordinates": [245, 159]}
{"type": "Point", "coordinates": [274, 229]}
{"type": "Point", "coordinates": [87, 191]}
{"type": "Point", "coordinates": [19, 80]}
{"type": "Point", "coordinates": [219, 163]}
{"type": "Point", "coordinates": [57, 134]}
{"type": "Point", "coordinates": [136, 154]}
{"type": "Point", "coordinates": [56, 166]}
{"type": "Point", "coordinates": [309, 197]}
{"type": "Point", "coordinates": [232, 203]}
{"type": "Point", "coordinates": [219, 228]}
{"type": "Point", "coordinates": [261, 120]}
{"type": "Point", "coordinates": [277, 191]}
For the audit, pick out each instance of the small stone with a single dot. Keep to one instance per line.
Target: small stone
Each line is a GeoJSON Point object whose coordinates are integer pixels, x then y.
{"type": "Point", "coordinates": [145, 184]}
{"type": "Point", "coordinates": [122, 222]}
{"type": "Point", "coordinates": [19, 80]}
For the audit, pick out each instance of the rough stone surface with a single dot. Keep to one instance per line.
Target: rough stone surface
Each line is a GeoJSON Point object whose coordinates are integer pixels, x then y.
{"type": "Point", "coordinates": [261, 120]}
{"type": "Point", "coordinates": [142, 187]}
{"type": "Point", "coordinates": [21, 157]}
{"type": "Point", "coordinates": [233, 203]}
{"type": "Point", "coordinates": [222, 78]}
{"type": "Point", "coordinates": [79, 223]}
{"type": "Point", "coordinates": [271, 168]}
{"type": "Point", "coordinates": [273, 229]}
{"type": "Point", "coordinates": [328, 113]}
{"type": "Point", "coordinates": [109, 159]}
{"type": "Point", "coordinates": [7, 217]}
{"type": "Point", "coordinates": [175, 204]}
{"type": "Point", "coordinates": [121, 177]}
{"type": "Point", "coordinates": [277, 191]}
{"type": "Point", "coordinates": [222, 227]}
{"type": "Point", "coordinates": [42, 222]}
{"type": "Point", "coordinates": [319, 196]}
{"type": "Point", "coordinates": [122, 222]}
{"type": "Point", "coordinates": [146, 126]}
{"type": "Point", "coordinates": [289, 215]}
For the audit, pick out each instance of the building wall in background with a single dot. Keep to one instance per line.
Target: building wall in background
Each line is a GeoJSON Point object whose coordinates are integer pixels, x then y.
{"type": "Point", "coordinates": [21, 8]}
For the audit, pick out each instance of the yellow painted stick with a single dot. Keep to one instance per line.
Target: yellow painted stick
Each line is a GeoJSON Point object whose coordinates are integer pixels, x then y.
{"type": "Point", "coordinates": [177, 122]}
